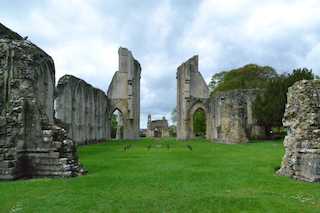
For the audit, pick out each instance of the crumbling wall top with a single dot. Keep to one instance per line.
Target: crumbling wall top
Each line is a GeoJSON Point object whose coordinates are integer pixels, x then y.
{"type": "Point", "coordinates": [6, 33]}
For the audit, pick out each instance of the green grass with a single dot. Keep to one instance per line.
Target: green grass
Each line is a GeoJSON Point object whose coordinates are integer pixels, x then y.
{"type": "Point", "coordinates": [211, 178]}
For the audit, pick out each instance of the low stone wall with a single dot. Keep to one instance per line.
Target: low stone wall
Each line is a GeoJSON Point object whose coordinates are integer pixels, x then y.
{"type": "Point", "coordinates": [302, 143]}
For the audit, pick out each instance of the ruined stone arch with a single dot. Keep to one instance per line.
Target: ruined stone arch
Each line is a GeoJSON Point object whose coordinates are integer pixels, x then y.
{"type": "Point", "coordinates": [66, 114]}
{"type": "Point", "coordinates": [45, 87]}
{"type": "Point", "coordinates": [90, 116]}
{"type": "Point", "coordinates": [97, 116]}
{"type": "Point", "coordinates": [198, 105]}
{"type": "Point", "coordinates": [78, 109]}
{"type": "Point", "coordinates": [244, 103]}
{"type": "Point", "coordinates": [118, 105]}
{"type": "Point", "coordinates": [122, 111]}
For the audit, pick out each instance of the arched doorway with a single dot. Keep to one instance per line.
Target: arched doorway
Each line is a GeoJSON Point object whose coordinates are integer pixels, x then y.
{"type": "Point", "coordinates": [157, 132]}
{"type": "Point", "coordinates": [116, 130]}
{"type": "Point", "coordinates": [199, 123]}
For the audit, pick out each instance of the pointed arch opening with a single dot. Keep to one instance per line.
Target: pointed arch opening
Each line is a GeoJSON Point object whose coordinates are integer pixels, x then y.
{"type": "Point", "coordinates": [116, 130]}
{"type": "Point", "coordinates": [199, 123]}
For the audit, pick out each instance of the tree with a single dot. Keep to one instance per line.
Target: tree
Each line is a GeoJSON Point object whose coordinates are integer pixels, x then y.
{"type": "Point", "coordinates": [173, 115]}
{"type": "Point", "coordinates": [251, 76]}
{"type": "Point", "coordinates": [299, 74]}
{"type": "Point", "coordinates": [199, 122]}
{"type": "Point", "coordinates": [216, 80]}
{"type": "Point", "coordinates": [268, 108]}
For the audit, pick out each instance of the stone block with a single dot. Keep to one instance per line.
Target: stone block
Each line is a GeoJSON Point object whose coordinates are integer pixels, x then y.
{"type": "Point", "coordinates": [63, 161]}
{"type": "Point", "coordinates": [47, 133]}
{"type": "Point", "coordinates": [6, 171]}
{"type": "Point", "coordinates": [7, 164]}
{"type": "Point", "coordinates": [56, 144]}
{"type": "Point", "coordinates": [43, 155]}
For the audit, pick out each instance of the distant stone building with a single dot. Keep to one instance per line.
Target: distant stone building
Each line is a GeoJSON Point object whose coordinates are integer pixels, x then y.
{"type": "Point", "coordinates": [228, 113]}
{"type": "Point", "coordinates": [158, 128]}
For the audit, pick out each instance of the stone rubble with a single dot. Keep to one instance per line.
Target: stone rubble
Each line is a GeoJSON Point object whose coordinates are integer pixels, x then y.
{"type": "Point", "coordinates": [302, 143]}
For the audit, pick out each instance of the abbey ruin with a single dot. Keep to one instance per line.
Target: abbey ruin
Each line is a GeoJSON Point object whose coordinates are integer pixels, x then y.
{"type": "Point", "coordinates": [41, 124]}
{"type": "Point", "coordinates": [228, 113]}
{"type": "Point", "coordinates": [158, 128]}
{"type": "Point", "coordinates": [85, 112]}
{"type": "Point", "coordinates": [35, 144]}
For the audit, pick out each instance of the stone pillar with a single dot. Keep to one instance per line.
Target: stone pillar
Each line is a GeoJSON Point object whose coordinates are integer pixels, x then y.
{"type": "Point", "coordinates": [302, 143]}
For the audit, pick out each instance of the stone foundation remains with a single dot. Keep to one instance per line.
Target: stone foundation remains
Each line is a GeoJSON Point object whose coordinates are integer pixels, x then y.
{"type": "Point", "coordinates": [228, 113]}
{"type": "Point", "coordinates": [158, 128]}
{"type": "Point", "coordinates": [302, 143]}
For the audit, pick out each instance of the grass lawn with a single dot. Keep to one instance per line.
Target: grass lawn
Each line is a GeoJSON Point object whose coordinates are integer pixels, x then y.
{"type": "Point", "coordinates": [211, 178]}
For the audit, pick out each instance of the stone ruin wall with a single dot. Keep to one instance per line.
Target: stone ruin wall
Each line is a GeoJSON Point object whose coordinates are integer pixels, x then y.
{"type": "Point", "coordinates": [158, 128]}
{"type": "Point", "coordinates": [192, 94]}
{"type": "Point", "coordinates": [82, 110]}
{"type": "Point", "coordinates": [228, 113]}
{"type": "Point", "coordinates": [86, 112]}
{"type": "Point", "coordinates": [302, 143]}
{"type": "Point", "coordinates": [233, 116]}
{"type": "Point", "coordinates": [124, 96]}
{"type": "Point", "coordinates": [31, 145]}
{"type": "Point", "coordinates": [35, 144]}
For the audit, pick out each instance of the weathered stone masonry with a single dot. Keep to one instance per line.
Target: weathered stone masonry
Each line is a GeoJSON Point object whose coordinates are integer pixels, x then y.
{"type": "Point", "coordinates": [124, 96]}
{"type": "Point", "coordinates": [158, 128]}
{"type": "Point", "coordinates": [31, 145]}
{"type": "Point", "coordinates": [85, 112]}
{"type": "Point", "coordinates": [81, 110]}
{"type": "Point", "coordinates": [302, 143]}
{"type": "Point", "coordinates": [228, 113]}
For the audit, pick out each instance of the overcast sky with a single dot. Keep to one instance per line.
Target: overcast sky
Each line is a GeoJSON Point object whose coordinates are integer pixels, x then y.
{"type": "Point", "coordinates": [83, 37]}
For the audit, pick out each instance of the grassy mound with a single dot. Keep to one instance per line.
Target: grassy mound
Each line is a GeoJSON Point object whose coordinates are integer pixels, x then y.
{"type": "Point", "coordinates": [211, 178]}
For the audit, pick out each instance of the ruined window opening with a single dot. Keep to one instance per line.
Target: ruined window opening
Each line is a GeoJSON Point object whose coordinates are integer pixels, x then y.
{"type": "Point", "coordinates": [243, 104]}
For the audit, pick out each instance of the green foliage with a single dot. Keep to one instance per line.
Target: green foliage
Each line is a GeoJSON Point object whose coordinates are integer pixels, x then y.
{"type": "Point", "coordinates": [171, 131]}
{"type": "Point", "coordinates": [217, 79]}
{"type": "Point", "coordinates": [199, 122]}
{"type": "Point", "coordinates": [212, 177]}
{"type": "Point", "coordinates": [174, 115]}
{"type": "Point", "coordinates": [299, 74]}
{"type": "Point", "coordinates": [268, 108]}
{"type": "Point", "coordinates": [251, 76]}
{"type": "Point", "coordinates": [114, 126]}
